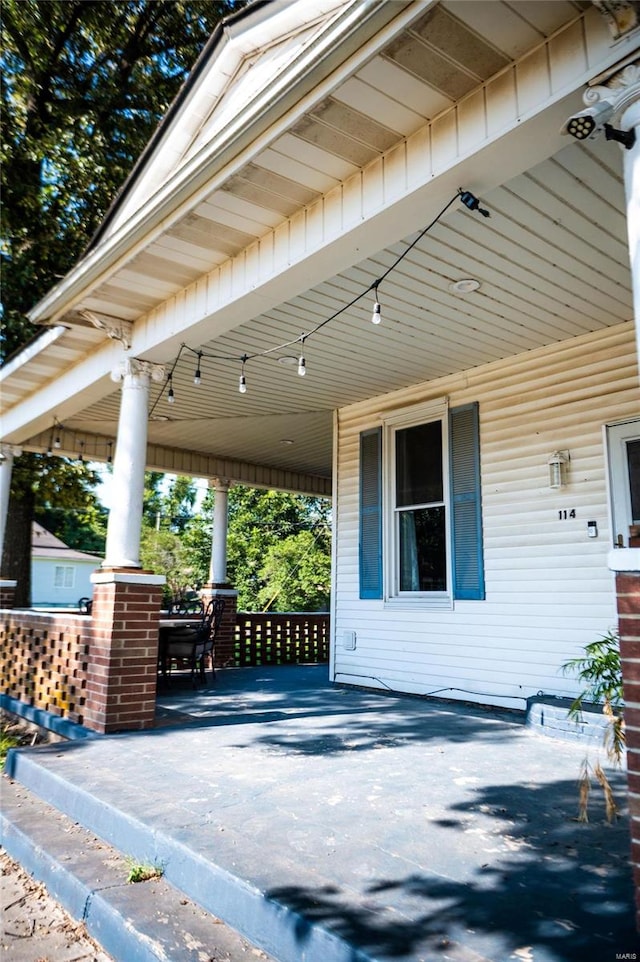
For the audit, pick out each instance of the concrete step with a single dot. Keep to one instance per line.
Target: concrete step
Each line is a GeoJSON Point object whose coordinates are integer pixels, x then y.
{"type": "Point", "coordinates": [142, 922]}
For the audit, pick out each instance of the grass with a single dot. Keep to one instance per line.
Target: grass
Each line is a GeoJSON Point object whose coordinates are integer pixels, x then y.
{"type": "Point", "coordinates": [139, 872]}
{"type": "Point", "coordinates": [13, 735]}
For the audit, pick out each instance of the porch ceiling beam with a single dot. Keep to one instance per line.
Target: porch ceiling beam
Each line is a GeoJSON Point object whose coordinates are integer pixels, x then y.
{"type": "Point", "coordinates": [190, 463]}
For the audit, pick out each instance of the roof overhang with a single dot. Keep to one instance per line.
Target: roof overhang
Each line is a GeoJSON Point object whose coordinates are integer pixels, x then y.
{"type": "Point", "coordinates": [274, 219]}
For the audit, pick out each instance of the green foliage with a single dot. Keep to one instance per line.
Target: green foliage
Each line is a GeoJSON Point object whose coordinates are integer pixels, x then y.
{"type": "Point", "coordinates": [262, 522]}
{"type": "Point", "coordinates": [600, 669]}
{"type": "Point", "coordinates": [84, 529]}
{"type": "Point", "coordinates": [84, 86]}
{"type": "Point", "coordinates": [297, 574]}
{"type": "Point", "coordinates": [8, 740]}
{"type": "Point", "coordinates": [141, 872]}
{"type": "Point", "coordinates": [58, 492]}
{"type": "Point", "coordinates": [163, 552]}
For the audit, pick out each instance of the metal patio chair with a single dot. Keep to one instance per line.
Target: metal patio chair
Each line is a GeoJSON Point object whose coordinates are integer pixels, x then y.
{"type": "Point", "coordinates": [195, 643]}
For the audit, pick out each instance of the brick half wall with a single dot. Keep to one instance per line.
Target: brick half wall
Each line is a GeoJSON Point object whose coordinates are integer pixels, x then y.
{"type": "Point", "coordinates": [626, 564]}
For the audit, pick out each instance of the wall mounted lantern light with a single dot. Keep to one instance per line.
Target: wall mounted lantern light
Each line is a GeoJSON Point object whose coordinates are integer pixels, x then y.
{"type": "Point", "coordinates": [558, 468]}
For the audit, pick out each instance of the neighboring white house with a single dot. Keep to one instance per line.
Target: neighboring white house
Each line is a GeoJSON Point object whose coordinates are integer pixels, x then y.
{"type": "Point", "coordinates": [481, 442]}
{"type": "Point", "coordinates": [60, 575]}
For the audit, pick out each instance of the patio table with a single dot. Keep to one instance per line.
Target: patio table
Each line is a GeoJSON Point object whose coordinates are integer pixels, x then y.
{"type": "Point", "coordinates": [165, 627]}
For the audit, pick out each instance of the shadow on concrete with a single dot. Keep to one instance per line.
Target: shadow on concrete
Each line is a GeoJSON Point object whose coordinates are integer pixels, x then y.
{"type": "Point", "coordinates": [565, 894]}
{"type": "Point", "coordinates": [338, 720]}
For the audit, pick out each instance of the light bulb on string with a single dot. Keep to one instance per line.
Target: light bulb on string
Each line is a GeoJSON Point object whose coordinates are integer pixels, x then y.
{"type": "Point", "coordinates": [57, 443]}
{"type": "Point", "coordinates": [302, 364]}
{"type": "Point", "coordinates": [109, 457]}
{"type": "Point", "coordinates": [242, 381]}
{"type": "Point", "coordinates": [468, 200]}
{"type": "Point", "coordinates": [81, 453]}
{"type": "Point", "coordinates": [376, 316]}
{"type": "Point", "coordinates": [170, 395]}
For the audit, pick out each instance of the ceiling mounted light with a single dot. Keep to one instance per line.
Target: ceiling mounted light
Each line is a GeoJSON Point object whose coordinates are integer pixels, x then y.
{"type": "Point", "coordinates": [287, 359]}
{"type": "Point", "coordinates": [286, 441]}
{"type": "Point", "coordinates": [465, 285]}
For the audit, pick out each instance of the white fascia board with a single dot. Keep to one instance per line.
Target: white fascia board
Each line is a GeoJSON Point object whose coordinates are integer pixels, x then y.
{"type": "Point", "coordinates": [238, 40]}
{"type": "Point", "coordinates": [72, 391]}
{"type": "Point", "coordinates": [309, 80]}
{"type": "Point", "coordinates": [37, 346]}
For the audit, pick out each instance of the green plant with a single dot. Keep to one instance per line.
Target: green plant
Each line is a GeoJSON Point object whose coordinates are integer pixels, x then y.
{"type": "Point", "coordinates": [600, 669]}
{"type": "Point", "coordinates": [13, 735]}
{"type": "Point", "coordinates": [139, 872]}
{"type": "Point", "coordinates": [7, 742]}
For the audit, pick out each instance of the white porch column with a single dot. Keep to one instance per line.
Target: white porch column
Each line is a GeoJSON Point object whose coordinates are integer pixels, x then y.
{"type": "Point", "coordinates": [218, 565]}
{"type": "Point", "coordinates": [620, 91]}
{"type": "Point", "coordinates": [630, 120]}
{"type": "Point", "coordinates": [125, 516]}
{"type": "Point", "coordinates": [8, 452]}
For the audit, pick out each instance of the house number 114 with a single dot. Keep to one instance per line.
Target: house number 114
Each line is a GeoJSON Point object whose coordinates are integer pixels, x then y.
{"type": "Point", "coordinates": [564, 514]}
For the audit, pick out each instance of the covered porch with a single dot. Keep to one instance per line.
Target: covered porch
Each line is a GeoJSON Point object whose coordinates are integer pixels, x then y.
{"type": "Point", "coordinates": [315, 176]}
{"type": "Point", "coordinates": [330, 825]}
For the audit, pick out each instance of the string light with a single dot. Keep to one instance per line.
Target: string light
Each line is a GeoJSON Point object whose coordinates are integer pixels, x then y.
{"type": "Point", "coordinates": [81, 454]}
{"type": "Point", "coordinates": [109, 447]}
{"type": "Point", "coordinates": [376, 317]}
{"type": "Point", "coordinates": [302, 364]}
{"type": "Point", "coordinates": [466, 197]}
{"type": "Point", "coordinates": [242, 381]}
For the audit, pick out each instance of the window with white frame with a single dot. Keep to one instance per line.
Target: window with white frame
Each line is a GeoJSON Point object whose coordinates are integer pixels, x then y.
{"type": "Point", "coordinates": [418, 510]}
{"type": "Point", "coordinates": [64, 576]}
{"type": "Point", "coordinates": [420, 507]}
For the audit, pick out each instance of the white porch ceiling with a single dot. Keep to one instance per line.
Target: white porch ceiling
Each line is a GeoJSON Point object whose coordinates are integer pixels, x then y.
{"type": "Point", "coordinates": [552, 260]}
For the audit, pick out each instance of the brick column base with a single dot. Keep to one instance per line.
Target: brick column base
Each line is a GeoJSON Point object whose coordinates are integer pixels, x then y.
{"type": "Point", "coordinates": [123, 657]}
{"type": "Point", "coordinates": [7, 593]}
{"type": "Point", "coordinates": [626, 564]}
{"type": "Point", "coordinates": [224, 653]}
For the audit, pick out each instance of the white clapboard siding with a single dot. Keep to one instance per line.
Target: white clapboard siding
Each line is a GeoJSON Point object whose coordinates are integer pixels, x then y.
{"type": "Point", "coordinates": [548, 588]}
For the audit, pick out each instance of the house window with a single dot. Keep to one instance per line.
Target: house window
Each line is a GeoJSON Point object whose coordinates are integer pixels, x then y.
{"type": "Point", "coordinates": [64, 576]}
{"type": "Point", "coordinates": [420, 510]}
{"type": "Point", "coordinates": [427, 504]}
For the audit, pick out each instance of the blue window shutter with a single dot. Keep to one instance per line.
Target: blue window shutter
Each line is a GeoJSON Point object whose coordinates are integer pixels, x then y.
{"type": "Point", "coordinates": [371, 514]}
{"type": "Point", "coordinates": [464, 454]}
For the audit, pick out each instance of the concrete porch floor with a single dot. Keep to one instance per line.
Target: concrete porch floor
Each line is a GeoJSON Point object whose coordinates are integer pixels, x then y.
{"type": "Point", "coordinates": [335, 825]}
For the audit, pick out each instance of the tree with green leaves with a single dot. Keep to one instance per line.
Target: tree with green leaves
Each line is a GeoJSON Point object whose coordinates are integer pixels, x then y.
{"type": "Point", "coordinates": [278, 548]}
{"type": "Point", "coordinates": [167, 512]}
{"type": "Point", "coordinates": [57, 483]}
{"type": "Point", "coordinates": [85, 85]}
{"type": "Point", "coordinates": [297, 573]}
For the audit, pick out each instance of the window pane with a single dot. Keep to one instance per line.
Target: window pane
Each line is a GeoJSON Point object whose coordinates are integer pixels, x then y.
{"type": "Point", "coordinates": [419, 464]}
{"type": "Point", "coordinates": [423, 558]}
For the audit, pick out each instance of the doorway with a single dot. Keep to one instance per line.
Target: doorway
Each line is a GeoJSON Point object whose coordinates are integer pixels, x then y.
{"type": "Point", "coordinates": [623, 444]}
